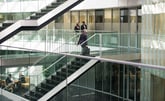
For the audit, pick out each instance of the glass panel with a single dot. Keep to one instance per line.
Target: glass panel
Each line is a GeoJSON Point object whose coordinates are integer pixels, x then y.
{"type": "Point", "coordinates": [74, 18]}
{"type": "Point", "coordinates": [91, 19]}
{"type": "Point", "coordinates": [99, 19]}
{"type": "Point", "coordinates": [157, 88]}
{"type": "Point", "coordinates": [104, 44]}
{"type": "Point", "coordinates": [116, 20]}
{"type": "Point", "coordinates": [22, 10]}
{"type": "Point", "coordinates": [34, 65]}
{"type": "Point", "coordinates": [133, 21]}
{"type": "Point", "coordinates": [15, 62]}
{"type": "Point", "coordinates": [67, 21]}
{"type": "Point", "coordinates": [59, 22]}
{"type": "Point", "coordinates": [108, 19]}
{"type": "Point", "coordinates": [124, 20]}
{"type": "Point", "coordinates": [83, 16]}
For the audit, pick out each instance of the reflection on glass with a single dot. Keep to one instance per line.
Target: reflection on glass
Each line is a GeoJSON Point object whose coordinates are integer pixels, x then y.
{"type": "Point", "coordinates": [83, 16]}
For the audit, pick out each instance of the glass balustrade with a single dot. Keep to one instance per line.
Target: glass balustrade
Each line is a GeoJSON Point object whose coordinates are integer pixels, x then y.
{"type": "Point", "coordinates": [14, 10]}
{"type": "Point", "coordinates": [29, 63]}
{"type": "Point", "coordinates": [114, 81]}
{"type": "Point", "coordinates": [100, 43]}
{"type": "Point", "coordinates": [118, 46]}
{"type": "Point", "coordinates": [36, 67]}
{"type": "Point", "coordinates": [42, 39]}
{"type": "Point", "coordinates": [119, 57]}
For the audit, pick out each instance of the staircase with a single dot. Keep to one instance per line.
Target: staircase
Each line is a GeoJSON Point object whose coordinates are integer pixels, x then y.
{"type": "Point", "coordinates": [37, 20]}
{"type": "Point", "coordinates": [57, 81]}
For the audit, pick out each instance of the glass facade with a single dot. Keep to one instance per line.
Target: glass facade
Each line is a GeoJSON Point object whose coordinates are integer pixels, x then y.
{"type": "Point", "coordinates": [111, 20]}
{"type": "Point", "coordinates": [153, 26]}
{"type": "Point", "coordinates": [108, 19]}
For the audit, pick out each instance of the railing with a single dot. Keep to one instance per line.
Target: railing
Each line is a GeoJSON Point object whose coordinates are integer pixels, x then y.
{"type": "Point", "coordinates": [49, 39]}
{"type": "Point", "coordinates": [20, 9]}
{"type": "Point", "coordinates": [28, 67]}
{"type": "Point", "coordinates": [46, 61]}
{"type": "Point", "coordinates": [131, 73]}
{"type": "Point", "coordinates": [55, 66]}
{"type": "Point", "coordinates": [120, 46]}
{"type": "Point", "coordinates": [148, 56]}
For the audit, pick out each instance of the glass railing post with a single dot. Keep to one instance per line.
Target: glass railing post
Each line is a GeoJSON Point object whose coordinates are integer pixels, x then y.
{"type": "Point", "coordinates": [100, 44]}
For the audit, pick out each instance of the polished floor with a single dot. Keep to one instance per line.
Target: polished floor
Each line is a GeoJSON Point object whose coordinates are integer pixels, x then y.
{"type": "Point", "coordinates": [3, 98]}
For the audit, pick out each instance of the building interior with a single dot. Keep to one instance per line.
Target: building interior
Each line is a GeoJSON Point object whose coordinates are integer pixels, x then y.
{"type": "Point", "coordinates": [39, 44]}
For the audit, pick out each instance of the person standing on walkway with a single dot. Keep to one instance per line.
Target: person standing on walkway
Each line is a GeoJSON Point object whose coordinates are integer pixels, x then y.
{"type": "Point", "coordinates": [77, 28]}
{"type": "Point", "coordinates": [77, 31]}
{"type": "Point", "coordinates": [84, 26]}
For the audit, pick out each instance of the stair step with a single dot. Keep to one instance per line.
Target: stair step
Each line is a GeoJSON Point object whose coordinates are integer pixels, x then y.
{"type": "Point", "coordinates": [64, 74]}
{"type": "Point", "coordinates": [30, 97]}
{"type": "Point", "coordinates": [7, 24]}
{"type": "Point", "coordinates": [37, 94]}
{"type": "Point", "coordinates": [43, 90]}
{"type": "Point", "coordinates": [79, 63]}
{"type": "Point", "coordinates": [40, 13]}
{"type": "Point", "coordinates": [69, 71]}
{"type": "Point", "coordinates": [56, 4]}
{"type": "Point", "coordinates": [2, 28]}
{"type": "Point", "coordinates": [50, 7]}
{"type": "Point", "coordinates": [34, 17]}
{"type": "Point", "coordinates": [47, 86]}
{"type": "Point", "coordinates": [27, 95]}
{"type": "Point", "coordinates": [74, 67]}
{"type": "Point", "coordinates": [61, 0]}
{"type": "Point", "coordinates": [82, 60]}
{"type": "Point", "coordinates": [53, 82]}
{"type": "Point", "coordinates": [58, 78]}
{"type": "Point", "coordinates": [46, 10]}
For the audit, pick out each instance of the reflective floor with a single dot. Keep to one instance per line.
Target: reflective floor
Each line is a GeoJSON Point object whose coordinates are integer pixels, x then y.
{"type": "Point", "coordinates": [3, 98]}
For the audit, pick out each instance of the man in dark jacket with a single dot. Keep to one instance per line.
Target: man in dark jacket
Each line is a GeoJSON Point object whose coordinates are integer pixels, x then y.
{"type": "Point", "coordinates": [83, 39]}
{"type": "Point", "coordinates": [77, 28]}
{"type": "Point", "coordinates": [83, 26]}
{"type": "Point", "coordinates": [83, 42]}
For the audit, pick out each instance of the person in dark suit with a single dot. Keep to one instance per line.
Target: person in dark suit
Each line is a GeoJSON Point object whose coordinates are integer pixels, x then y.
{"type": "Point", "coordinates": [83, 39]}
{"type": "Point", "coordinates": [84, 26]}
{"type": "Point", "coordinates": [83, 42]}
{"type": "Point", "coordinates": [77, 28]}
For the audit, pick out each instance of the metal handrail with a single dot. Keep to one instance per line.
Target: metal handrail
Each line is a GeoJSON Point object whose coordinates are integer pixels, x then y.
{"type": "Point", "coordinates": [88, 39]}
{"type": "Point", "coordinates": [101, 59]}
